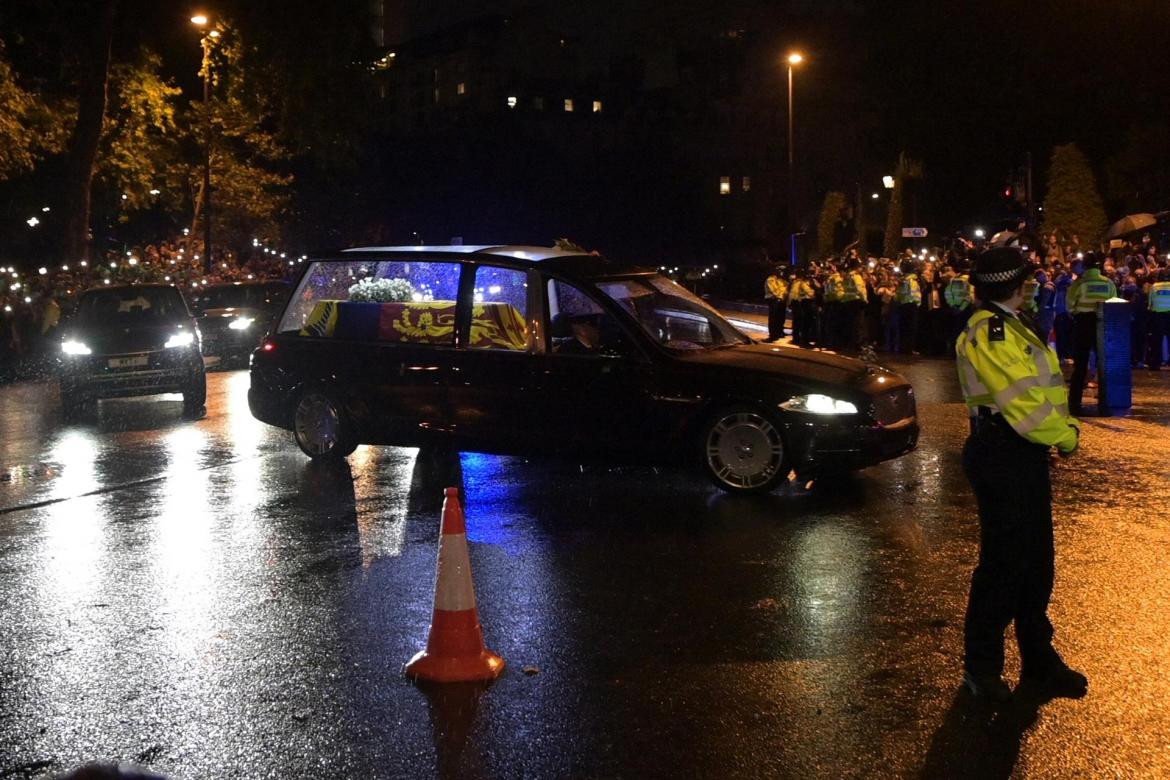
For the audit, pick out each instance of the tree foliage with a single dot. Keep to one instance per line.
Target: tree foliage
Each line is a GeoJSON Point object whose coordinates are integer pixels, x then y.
{"type": "Point", "coordinates": [1073, 205]}
{"type": "Point", "coordinates": [139, 154]}
{"type": "Point", "coordinates": [906, 169]}
{"type": "Point", "coordinates": [31, 128]}
{"type": "Point", "coordinates": [250, 188]}
{"type": "Point", "coordinates": [831, 209]}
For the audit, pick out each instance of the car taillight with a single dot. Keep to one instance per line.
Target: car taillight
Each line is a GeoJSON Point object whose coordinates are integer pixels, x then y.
{"type": "Point", "coordinates": [268, 346]}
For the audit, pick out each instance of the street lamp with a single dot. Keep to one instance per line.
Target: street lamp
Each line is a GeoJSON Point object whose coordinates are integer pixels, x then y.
{"type": "Point", "coordinates": [199, 20]}
{"type": "Point", "coordinates": [793, 59]}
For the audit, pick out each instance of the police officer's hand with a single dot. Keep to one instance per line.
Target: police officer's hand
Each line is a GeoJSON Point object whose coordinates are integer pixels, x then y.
{"type": "Point", "coordinates": [1075, 447]}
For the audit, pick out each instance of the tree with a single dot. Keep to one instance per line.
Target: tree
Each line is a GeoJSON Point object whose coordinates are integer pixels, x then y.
{"type": "Point", "coordinates": [831, 209]}
{"type": "Point", "coordinates": [94, 63]}
{"type": "Point", "coordinates": [30, 127]}
{"type": "Point", "coordinates": [1073, 205]}
{"type": "Point", "coordinates": [907, 169]}
{"type": "Point", "coordinates": [250, 189]}
{"type": "Point", "coordinates": [139, 151]}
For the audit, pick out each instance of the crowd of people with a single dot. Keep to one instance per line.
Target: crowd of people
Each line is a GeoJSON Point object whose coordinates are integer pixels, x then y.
{"type": "Point", "coordinates": [919, 302]}
{"type": "Point", "coordinates": [33, 301]}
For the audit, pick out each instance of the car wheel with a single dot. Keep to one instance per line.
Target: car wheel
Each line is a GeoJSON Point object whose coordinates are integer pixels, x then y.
{"type": "Point", "coordinates": [743, 450]}
{"type": "Point", "coordinates": [321, 427]}
{"type": "Point", "coordinates": [195, 397]}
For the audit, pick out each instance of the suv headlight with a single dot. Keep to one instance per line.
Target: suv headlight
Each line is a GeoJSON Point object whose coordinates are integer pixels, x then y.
{"type": "Point", "coordinates": [241, 323]}
{"type": "Point", "coordinates": [180, 339]}
{"type": "Point", "coordinates": [73, 347]}
{"type": "Point", "coordinates": [818, 404]}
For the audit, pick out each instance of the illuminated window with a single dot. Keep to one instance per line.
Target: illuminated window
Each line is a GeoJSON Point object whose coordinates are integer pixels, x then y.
{"type": "Point", "coordinates": [747, 183]}
{"type": "Point", "coordinates": [596, 106]}
{"type": "Point", "coordinates": [568, 104]}
{"type": "Point", "coordinates": [461, 88]}
{"type": "Point", "coordinates": [512, 102]}
{"type": "Point", "coordinates": [724, 185]}
{"type": "Point", "coordinates": [539, 103]}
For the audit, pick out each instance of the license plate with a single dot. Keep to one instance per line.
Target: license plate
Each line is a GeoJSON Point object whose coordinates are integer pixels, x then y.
{"type": "Point", "coordinates": [129, 362]}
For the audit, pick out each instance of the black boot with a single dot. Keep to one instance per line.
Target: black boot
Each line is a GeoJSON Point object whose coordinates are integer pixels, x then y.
{"type": "Point", "coordinates": [988, 687]}
{"type": "Point", "coordinates": [1056, 681]}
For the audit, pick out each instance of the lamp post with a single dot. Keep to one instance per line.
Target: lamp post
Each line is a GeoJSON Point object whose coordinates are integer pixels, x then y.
{"type": "Point", "coordinates": [793, 59]}
{"type": "Point", "coordinates": [201, 21]}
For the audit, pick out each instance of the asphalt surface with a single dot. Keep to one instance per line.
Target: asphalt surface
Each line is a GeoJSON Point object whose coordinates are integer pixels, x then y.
{"type": "Point", "coordinates": [198, 599]}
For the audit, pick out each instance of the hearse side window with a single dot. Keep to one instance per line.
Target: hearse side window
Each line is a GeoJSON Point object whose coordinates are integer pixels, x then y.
{"type": "Point", "coordinates": [403, 301]}
{"type": "Point", "coordinates": [578, 325]}
{"type": "Point", "coordinates": [499, 312]}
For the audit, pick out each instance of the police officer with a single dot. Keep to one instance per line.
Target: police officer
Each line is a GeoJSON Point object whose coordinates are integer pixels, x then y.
{"type": "Point", "coordinates": [831, 312]}
{"type": "Point", "coordinates": [908, 299]}
{"type": "Point", "coordinates": [957, 295]}
{"type": "Point", "coordinates": [802, 298]}
{"type": "Point", "coordinates": [776, 294]}
{"type": "Point", "coordinates": [1159, 307]}
{"type": "Point", "coordinates": [1014, 391]}
{"type": "Point", "coordinates": [1084, 295]}
{"type": "Point", "coordinates": [854, 296]}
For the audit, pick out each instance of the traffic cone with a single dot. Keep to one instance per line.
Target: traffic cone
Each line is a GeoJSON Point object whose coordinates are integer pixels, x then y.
{"type": "Point", "coordinates": [455, 651]}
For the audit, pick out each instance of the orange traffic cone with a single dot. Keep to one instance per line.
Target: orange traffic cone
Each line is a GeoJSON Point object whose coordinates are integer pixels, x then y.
{"type": "Point", "coordinates": [455, 651]}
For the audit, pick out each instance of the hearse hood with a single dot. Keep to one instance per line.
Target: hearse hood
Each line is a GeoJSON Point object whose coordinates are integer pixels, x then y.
{"type": "Point", "coordinates": [797, 364]}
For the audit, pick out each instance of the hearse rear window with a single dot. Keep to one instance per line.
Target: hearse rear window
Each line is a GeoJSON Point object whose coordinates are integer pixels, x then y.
{"type": "Point", "coordinates": [411, 301]}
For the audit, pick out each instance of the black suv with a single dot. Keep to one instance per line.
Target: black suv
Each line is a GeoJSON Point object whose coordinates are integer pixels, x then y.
{"type": "Point", "coordinates": [234, 317]}
{"type": "Point", "coordinates": [129, 341]}
{"type": "Point", "coordinates": [536, 350]}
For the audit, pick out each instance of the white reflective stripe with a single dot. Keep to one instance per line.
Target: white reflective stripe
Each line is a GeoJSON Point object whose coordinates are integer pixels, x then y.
{"type": "Point", "coordinates": [453, 590]}
{"type": "Point", "coordinates": [1035, 419]}
{"type": "Point", "coordinates": [970, 380]}
{"type": "Point", "coordinates": [1016, 390]}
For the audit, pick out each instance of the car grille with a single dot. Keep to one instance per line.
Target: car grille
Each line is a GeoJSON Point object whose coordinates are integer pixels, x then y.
{"type": "Point", "coordinates": [895, 405]}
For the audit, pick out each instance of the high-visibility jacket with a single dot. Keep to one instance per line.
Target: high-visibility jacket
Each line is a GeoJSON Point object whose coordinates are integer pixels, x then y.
{"type": "Point", "coordinates": [854, 288]}
{"type": "Point", "coordinates": [1031, 287]}
{"type": "Point", "coordinates": [909, 291]}
{"type": "Point", "coordinates": [1160, 297]}
{"type": "Point", "coordinates": [1005, 366]}
{"type": "Point", "coordinates": [958, 292]}
{"type": "Point", "coordinates": [775, 288]}
{"type": "Point", "coordinates": [833, 288]}
{"type": "Point", "coordinates": [1091, 289]}
{"type": "Point", "coordinates": [801, 290]}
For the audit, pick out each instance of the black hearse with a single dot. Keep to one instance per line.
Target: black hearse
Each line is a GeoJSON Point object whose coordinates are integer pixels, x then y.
{"type": "Point", "coordinates": [531, 350]}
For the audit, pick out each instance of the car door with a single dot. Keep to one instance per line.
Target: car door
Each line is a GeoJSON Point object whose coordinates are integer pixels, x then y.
{"type": "Point", "coordinates": [595, 389]}
{"type": "Point", "coordinates": [489, 381]}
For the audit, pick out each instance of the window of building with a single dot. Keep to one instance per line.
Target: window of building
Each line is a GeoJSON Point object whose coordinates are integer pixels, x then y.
{"type": "Point", "coordinates": [724, 185]}
{"type": "Point", "coordinates": [747, 183]}
{"type": "Point", "coordinates": [539, 103]}
{"type": "Point", "coordinates": [436, 95]}
{"type": "Point", "coordinates": [436, 75]}
{"type": "Point", "coordinates": [512, 102]}
{"type": "Point", "coordinates": [596, 106]}
{"type": "Point", "coordinates": [568, 104]}
{"type": "Point", "coordinates": [461, 88]}
{"type": "Point", "coordinates": [498, 316]}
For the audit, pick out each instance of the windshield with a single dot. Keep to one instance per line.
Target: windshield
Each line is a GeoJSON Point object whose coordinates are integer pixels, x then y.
{"type": "Point", "coordinates": [242, 296]}
{"type": "Point", "coordinates": [671, 314]}
{"type": "Point", "coordinates": [133, 304]}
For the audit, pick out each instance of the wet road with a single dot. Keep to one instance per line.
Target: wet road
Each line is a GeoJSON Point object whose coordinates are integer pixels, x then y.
{"type": "Point", "coordinates": [198, 599]}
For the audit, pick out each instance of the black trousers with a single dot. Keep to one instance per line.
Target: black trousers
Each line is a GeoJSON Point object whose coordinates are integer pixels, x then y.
{"type": "Point", "coordinates": [804, 322]}
{"type": "Point", "coordinates": [850, 324]}
{"type": "Point", "coordinates": [1084, 342]}
{"type": "Point", "coordinates": [1159, 327]}
{"type": "Point", "coordinates": [1013, 580]}
{"type": "Point", "coordinates": [908, 327]}
{"type": "Point", "coordinates": [776, 311]}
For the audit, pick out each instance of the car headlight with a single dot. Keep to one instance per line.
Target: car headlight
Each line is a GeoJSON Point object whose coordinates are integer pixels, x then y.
{"type": "Point", "coordinates": [241, 323]}
{"type": "Point", "coordinates": [72, 347]}
{"type": "Point", "coordinates": [815, 403]}
{"type": "Point", "coordinates": [180, 339]}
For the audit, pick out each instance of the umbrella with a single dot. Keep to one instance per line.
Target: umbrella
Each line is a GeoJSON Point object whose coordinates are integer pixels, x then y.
{"type": "Point", "coordinates": [1003, 238]}
{"type": "Point", "coordinates": [1131, 224]}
